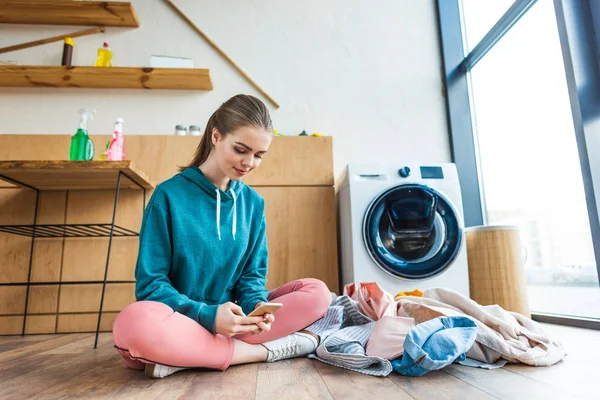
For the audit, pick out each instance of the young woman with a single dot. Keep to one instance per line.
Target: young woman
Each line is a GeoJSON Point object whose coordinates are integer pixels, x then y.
{"type": "Point", "coordinates": [202, 262]}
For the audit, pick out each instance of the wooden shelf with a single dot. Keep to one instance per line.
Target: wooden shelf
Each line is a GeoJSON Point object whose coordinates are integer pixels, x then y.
{"type": "Point", "coordinates": [73, 175]}
{"type": "Point", "coordinates": [68, 12]}
{"type": "Point", "coordinates": [110, 77]}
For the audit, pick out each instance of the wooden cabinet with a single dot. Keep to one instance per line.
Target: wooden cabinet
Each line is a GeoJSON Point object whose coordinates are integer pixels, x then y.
{"type": "Point", "coordinates": [301, 231]}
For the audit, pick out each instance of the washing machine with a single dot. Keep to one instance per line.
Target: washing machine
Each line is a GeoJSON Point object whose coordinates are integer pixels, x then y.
{"type": "Point", "coordinates": [402, 227]}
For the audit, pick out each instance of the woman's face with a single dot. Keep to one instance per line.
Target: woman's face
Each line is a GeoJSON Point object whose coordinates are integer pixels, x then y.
{"type": "Point", "coordinates": [241, 151]}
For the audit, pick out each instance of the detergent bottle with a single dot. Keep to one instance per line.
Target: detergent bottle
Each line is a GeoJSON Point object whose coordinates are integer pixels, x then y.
{"type": "Point", "coordinates": [104, 56]}
{"type": "Point", "coordinates": [82, 147]}
{"type": "Point", "coordinates": [116, 149]}
{"type": "Point", "coordinates": [104, 154]}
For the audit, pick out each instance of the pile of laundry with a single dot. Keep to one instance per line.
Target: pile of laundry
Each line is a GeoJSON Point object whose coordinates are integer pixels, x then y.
{"type": "Point", "coordinates": [370, 331]}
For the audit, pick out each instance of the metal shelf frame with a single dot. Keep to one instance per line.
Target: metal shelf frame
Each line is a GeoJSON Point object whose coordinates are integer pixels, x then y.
{"type": "Point", "coordinates": [36, 231]}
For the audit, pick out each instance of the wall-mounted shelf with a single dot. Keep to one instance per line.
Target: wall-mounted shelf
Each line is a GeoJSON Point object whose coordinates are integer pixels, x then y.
{"type": "Point", "coordinates": [111, 77]}
{"type": "Point", "coordinates": [68, 12]}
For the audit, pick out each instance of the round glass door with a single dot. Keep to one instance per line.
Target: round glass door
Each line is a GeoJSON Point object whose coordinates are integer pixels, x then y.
{"type": "Point", "coordinates": [412, 231]}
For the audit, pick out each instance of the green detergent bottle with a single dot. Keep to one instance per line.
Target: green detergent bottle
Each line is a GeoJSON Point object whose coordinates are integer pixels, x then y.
{"type": "Point", "coordinates": [82, 147]}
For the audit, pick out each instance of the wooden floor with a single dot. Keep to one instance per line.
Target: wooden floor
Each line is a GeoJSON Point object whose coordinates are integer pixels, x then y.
{"type": "Point", "coordinates": [65, 366]}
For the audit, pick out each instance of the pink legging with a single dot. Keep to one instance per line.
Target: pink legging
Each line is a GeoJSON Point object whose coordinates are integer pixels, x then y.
{"type": "Point", "coordinates": [151, 332]}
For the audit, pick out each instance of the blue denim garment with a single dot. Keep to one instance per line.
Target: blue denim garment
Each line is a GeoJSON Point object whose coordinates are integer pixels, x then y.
{"type": "Point", "coordinates": [435, 344]}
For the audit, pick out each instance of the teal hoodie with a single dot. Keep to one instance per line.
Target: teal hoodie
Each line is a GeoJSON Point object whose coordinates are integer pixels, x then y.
{"type": "Point", "coordinates": [201, 247]}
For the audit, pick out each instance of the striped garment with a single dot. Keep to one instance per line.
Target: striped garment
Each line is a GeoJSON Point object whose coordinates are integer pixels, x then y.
{"type": "Point", "coordinates": [344, 333]}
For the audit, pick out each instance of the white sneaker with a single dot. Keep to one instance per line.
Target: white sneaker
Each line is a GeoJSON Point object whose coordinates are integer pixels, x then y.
{"type": "Point", "coordinates": [298, 344]}
{"type": "Point", "coordinates": [158, 371]}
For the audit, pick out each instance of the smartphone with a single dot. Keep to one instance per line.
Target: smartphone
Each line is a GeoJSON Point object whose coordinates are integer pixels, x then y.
{"type": "Point", "coordinates": [265, 308]}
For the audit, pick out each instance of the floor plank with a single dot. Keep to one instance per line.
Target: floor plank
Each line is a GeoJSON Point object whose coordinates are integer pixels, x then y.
{"type": "Point", "coordinates": [38, 347]}
{"type": "Point", "coordinates": [106, 376]}
{"type": "Point", "coordinates": [12, 342]}
{"type": "Point", "coordinates": [40, 360]}
{"type": "Point", "coordinates": [237, 382]}
{"type": "Point", "coordinates": [81, 345]}
{"type": "Point", "coordinates": [345, 384]}
{"type": "Point", "coordinates": [50, 370]}
{"type": "Point", "coordinates": [290, 379]}
{"type": "Point", "coordinates": [578, 372]}
{"type": "Point", "coordinates": [438, 385]}
{"type": "Point", "coordinates": [140, 387]}
{"type": "Point", "coordinates": [505, 384]}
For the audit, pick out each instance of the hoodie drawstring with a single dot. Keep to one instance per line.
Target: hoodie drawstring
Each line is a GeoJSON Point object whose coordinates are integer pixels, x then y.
{"type": "Point", "coordinates": [219, 213]}
{"type": "Point", "coordinates": [234, 227]}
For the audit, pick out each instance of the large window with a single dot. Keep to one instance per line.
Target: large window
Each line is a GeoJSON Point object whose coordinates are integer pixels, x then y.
{"type": "Point", "coordinates": [529, 162]}
{"type": "Point", "coordinates": [523, 115]}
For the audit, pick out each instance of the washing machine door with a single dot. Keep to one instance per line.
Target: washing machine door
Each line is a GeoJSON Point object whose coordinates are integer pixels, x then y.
{"type": "Point", "coordinates": [412, 231]}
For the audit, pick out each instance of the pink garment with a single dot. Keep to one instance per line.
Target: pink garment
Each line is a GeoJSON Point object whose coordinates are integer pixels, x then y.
{"type": "Point", "coordinates": [373, 301]}
{"type": "Point", "coordinates": [388, 336]}
{"type": "Point", "coordinates": [151, 332]}
{"type": "Point", "coordinates": [392, 326]}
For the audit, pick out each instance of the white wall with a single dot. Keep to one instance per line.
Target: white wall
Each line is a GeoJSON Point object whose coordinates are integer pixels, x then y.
{"type": "Point", "coordinates": [367, 73]}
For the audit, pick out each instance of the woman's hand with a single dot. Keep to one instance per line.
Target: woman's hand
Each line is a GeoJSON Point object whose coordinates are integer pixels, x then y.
{"type": "Point", "coordinates": [231, 321]}
{"type": "Point", "coordinates": [267, 320]}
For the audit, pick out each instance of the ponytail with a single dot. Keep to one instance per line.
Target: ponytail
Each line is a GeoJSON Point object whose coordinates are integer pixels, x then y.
{"type": "Point", "coordinates": [205, 147]}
